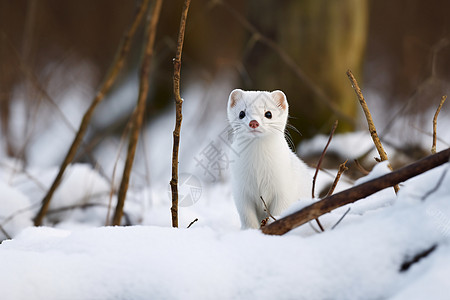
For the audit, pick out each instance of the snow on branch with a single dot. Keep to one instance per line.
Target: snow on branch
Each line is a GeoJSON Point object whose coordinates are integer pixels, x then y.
{"type": "Point", "coordinates": [356, 193]}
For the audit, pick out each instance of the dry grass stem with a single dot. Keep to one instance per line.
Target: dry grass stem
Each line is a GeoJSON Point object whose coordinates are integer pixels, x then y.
{"type": "Point", "coordinates": [140, 108]}
{"type": "Point", "coordinates": [179, 115]}
{"type": "Point", "coordinates": [433, 147]}
{"type": "Point", "coordinates": [116, 67]}
{"type": "Point", "coordinates": [341, 218]}
{"type": "Point", "coordinates": [113, 176]}
{"type": "Point", "coordinates": [319, 163]}
{"type": "Point", "coordinates": [342, 169]}
{"type": "Point", "coordinates": [372, 128]}
{"type": "Point", "coordinates": [266, 209]}
{"type": "Point", "coordinates": [315, 210]}
{"type": "Point", "coordinates": [318, 167]}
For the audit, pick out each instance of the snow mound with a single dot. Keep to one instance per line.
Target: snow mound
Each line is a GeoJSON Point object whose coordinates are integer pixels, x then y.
{"type": "Point", "coordinates": [371, 256]}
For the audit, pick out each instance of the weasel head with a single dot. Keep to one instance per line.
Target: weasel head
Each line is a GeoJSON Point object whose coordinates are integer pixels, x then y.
{"type": "Point", "coordinates": [257, 114]}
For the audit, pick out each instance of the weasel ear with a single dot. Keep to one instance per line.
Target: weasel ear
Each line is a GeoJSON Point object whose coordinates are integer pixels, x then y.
{"type": "Point", "coordinates": [280, 99]}
{"type": "Point", "coordinates": [235, 97]}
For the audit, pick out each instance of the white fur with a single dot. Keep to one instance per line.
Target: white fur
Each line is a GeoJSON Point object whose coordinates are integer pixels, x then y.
{"type": "Point", "coordinates": [263, 165]}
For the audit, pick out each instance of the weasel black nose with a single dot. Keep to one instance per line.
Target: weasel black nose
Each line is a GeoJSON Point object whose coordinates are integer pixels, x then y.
{"type": "Point", "coordinates": [253, 124]}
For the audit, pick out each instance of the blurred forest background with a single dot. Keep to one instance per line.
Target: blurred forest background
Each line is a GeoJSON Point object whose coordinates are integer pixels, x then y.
{"type": "Point", "coordinates": [54, 55]}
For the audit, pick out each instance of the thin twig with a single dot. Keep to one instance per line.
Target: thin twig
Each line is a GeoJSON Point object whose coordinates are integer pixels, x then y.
{"type": "Point", "coordinates": [116, 67]}
{"type": "Point", "coordinates": [438, 184]}
{"type": "Point", "coordinates": [113, 176]}
{"type": "Point", "coordinates": [433, 147]}
{"type": "Point", "coordinates": [190, 224]}
{"type": "Point", "coordinates": [179, 115]}
{"type": "Point", "coordinates": [342, 169]}
{"type": "Point", "coordinates": [266, 209]}
{"type": "Point", "coordinates": [315, 210]}
{"type": "Point", "coordinates": [319, 163]}
{"type": "Point", "coordinates": [340, 219]}
{"type": "Point", "coordinates": [372, 128]}
{"type": "Point", "coordinates": [153, 18]}
{"type": "Point", "coordinates": [318, 167]}
{"type": "Point", "coordinates": [8, 237]}
{"type": "Point", "coordinates": [361, 168]}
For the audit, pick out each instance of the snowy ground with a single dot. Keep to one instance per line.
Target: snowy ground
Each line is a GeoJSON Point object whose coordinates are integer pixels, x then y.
{"type": "Point", "coordinates": [360, 259]}
{"type": "Point", "coordinates": [76, 257]}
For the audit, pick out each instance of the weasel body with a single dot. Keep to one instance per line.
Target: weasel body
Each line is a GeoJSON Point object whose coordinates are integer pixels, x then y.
{"type": "Point", "coordinates": [263, 164]}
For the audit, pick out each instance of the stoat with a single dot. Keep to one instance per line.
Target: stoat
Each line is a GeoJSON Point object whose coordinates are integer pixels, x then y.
{"type": "Point", "coordinates": [263, 165]}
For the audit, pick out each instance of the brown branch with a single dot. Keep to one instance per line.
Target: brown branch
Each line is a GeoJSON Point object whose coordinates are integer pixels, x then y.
{"type": "Point", "coordinates": [116, 67]}
{"type": "Point", "coordinates": [322, 156]}
{"type": "Point", "coordinates": [153, 18]}
{"type": "Point", "coordinates": [356, 193]}
{"type": "Point", "coordinates": [372, 128]}
{"type": "Point", "coordinates": [433, 147]}
{"type": "Point", "coordinates": [179, 115]}
{"type": "Point", "coordinates": [342, 169]}
{"type": "Point", "coordinates": [318, 167]}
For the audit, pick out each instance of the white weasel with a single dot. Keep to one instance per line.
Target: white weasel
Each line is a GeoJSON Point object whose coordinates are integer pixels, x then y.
{"type": "Point", "coordinates": [263, 164]}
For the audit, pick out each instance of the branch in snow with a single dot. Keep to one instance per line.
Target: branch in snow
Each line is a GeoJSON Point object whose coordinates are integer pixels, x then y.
{"type": "Point", "coordinates": [140, 108]}
{"type": "Point", "coordinates": [190, 224]}
{"type": "Point", "coordinates": [372, 128]}
{"type": "Point", "coordinates": [116, 67]}
{"type": "Point", "coordinates": [319, 164]}
{"type": "Point", "coordinates": [408, 263]}
{"type": "Point", "coordinates": [179, 115]}
{"type": "Point", "coordinates": [356, 193]}
{"type": "Point", "coordinates": [435, 188]}
{"type": "Point", "coordinates": [266, 209]}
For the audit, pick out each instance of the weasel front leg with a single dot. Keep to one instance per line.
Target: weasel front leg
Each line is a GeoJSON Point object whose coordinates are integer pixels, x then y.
{"type": "Point", "coordinates": [248, 213]}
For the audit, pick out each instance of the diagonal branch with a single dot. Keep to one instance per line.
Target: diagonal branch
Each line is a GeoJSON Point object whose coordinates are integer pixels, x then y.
{"type": "Point", "coordinates": [356, 193]}
{"type": "Point", "coordinates": [179, 115]}
{"type": "Point", "coordinates": [372, 128]}
{"type": "Point", "coordinates": [116, 67]}
{"type": "Point", "coordinates": [140, 109]}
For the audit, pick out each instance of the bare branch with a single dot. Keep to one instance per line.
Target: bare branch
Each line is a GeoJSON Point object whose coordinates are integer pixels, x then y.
{"type": "Point", "coordinates": [318, 167]}
{"type": "Point", "coordinates": [117, 65]}
{"type": "Point", "coordinates": [322, 156]}
{"type": "Point", "coordinates": [342, 169]}
{"type": "Point", "coordinates": [341, 218]}
{"type": "Point", "coordinates": [433, 147]}
{"type": "Point", "coordinates": [140, 108]}
{"type": "Point", "coordinates": [179, 115]}
{"type": "Point", "coordinates": [356, 193]}
{"type": "Point", "coordinates": [267, 209]}
{"type": "Point", "coordinates": [190, 224]}
{"type": "Point", "coordinates": [372, 128]}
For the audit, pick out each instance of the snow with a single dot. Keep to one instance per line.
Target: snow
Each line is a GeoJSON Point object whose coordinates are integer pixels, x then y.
{"type": "Point", "coordinates": [359, 259]}
{"type": "Point", "coordinates": [74, 256]}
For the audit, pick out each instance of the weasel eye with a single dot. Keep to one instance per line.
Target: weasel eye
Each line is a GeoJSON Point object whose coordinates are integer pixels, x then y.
{"type": "Point", "coordinates": [241, 114]}
{"type": "Point", "coordinates": [268, 115]}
